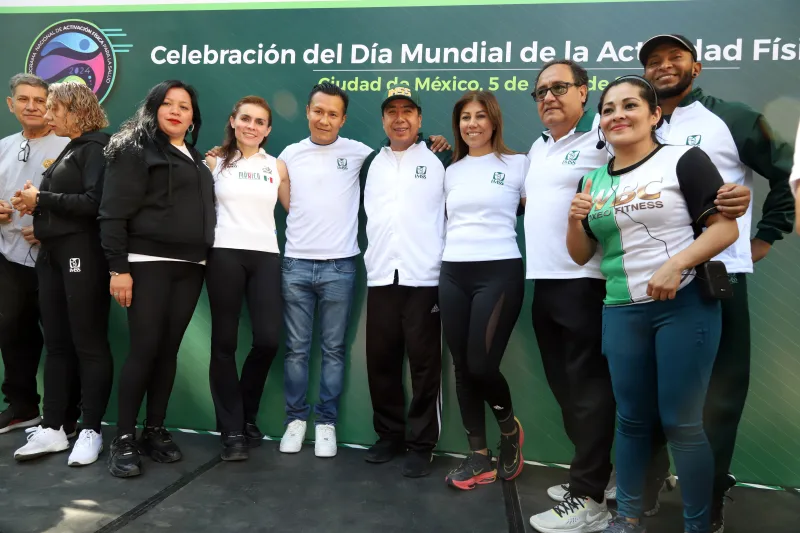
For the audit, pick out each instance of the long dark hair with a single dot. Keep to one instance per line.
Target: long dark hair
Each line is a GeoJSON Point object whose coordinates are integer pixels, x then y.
{"type": "Point", "coordinates": [143, 125]}
{"type": "Point", "coordinates": [489, 101]}
{"type": "Point", "coordinates": [229, 146]}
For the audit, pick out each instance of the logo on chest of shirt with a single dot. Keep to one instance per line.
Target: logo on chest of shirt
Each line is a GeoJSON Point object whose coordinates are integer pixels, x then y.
{"type": "Point", "coordinates": [421, 173]}
{"type": "Point", "coordinates": [631, 198]}
{"type": "Point", "coordinates": [75, 264]}
{"type": "Point", "coordinates": [48, 162]}
{"type": "Point", "coordinates": [694, 140]}
{"type": "Point", "coordinates": [250, 176]}
{"type": "Point", "coordinates": [341, 163]}
{"type": "Point", "coordinates": [499, 178]}
{"type": "Point", "coordinates": [267, 174]}
{"type": "Point", "coordinates": [571, 158]}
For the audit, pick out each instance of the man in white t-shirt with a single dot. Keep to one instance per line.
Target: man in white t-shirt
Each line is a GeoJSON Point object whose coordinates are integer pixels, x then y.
{"type": "Point", "coordinates": [404, 202]}
{"type": "Point", "coordinates": [24, 156]}
{"type": "Point", "coordinates": [319, 264]}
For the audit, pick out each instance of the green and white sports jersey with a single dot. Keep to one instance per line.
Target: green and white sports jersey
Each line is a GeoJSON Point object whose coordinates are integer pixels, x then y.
{"type": "Point", "coordinates": [644, 214]}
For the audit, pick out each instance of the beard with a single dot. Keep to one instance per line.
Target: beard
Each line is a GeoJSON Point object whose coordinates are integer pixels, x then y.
{"type": "Point", "coordinates": [684, 83]}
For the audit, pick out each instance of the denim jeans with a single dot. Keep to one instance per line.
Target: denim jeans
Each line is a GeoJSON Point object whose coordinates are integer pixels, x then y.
{"type": "Point", "coordinates": [660, 355]}
{"type": "Point", "coordinates": [328, 285]}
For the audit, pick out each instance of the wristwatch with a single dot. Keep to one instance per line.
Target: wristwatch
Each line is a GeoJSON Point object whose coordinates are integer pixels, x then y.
{"type": "Point", "coordinates": [113, 273]}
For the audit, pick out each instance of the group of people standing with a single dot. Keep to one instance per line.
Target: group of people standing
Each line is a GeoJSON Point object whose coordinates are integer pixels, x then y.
{"type": "Point", "coordinates": [624, 209]}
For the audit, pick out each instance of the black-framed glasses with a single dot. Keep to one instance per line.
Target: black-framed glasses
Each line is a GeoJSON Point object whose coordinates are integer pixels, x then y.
{"type": "Point", "coordinates": [559, 88]}
{"type": "Point", "coordinates": [24, 151]}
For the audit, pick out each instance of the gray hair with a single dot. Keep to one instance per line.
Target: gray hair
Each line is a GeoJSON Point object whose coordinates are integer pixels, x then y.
{"type": "Point", "coordinates": [26, 79]}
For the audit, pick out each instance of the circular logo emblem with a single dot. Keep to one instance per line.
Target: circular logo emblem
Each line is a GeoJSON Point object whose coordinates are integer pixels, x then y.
{"type": "Point", "coordinates": [74, 50]}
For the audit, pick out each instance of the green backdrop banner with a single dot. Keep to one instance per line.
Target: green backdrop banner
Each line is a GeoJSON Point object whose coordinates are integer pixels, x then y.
{"type": "Point", "coordinates": [443, 51]}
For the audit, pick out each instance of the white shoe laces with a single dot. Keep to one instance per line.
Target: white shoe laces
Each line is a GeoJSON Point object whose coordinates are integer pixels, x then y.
{"type": "Point", "coordinates": [86, 438]}
{"type": "Point", "coordinates": [326, 432]}
{"type": "Point", "coordinates": [294, 429]}
{"type": "Point", "coordinates": [35, 432]}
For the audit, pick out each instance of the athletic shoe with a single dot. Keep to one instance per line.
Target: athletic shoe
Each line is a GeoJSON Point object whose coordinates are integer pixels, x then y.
{"type": "Point", "coordinates": [158, 444]}
{"type": "Point", "coordinates": [42, 441]}
{"type": "Point", "coordinates": [325, 440]}
{"type": "Point", "coordinates": [718, 506]}
{"type": "Point", "coordinates": [573, 515]}
{"type": "Point", "coordinates": [384, 451]}
{"type": "Point", "coordinates": [475, 469]}
{"type": "Point", "coordinates": [653, 490]}
{"type": "Point", "coordinates": [234, 446]}
{"type": "Point", "coordinates": [10, 422]}
{"type": "Point", "coordinates": [620, 525]}
{"type": "Point", "coordinates": [87, 448]}
{"type": "Point", "coordinates": [124, 459]}
{"type": "Point", "coordinates": [558, 492]}
{"type": "Point", "coordinates": [509, 461]}
{"type": "Point", "coordinates": [253, 435]}
{"type": "Point", "coordinates": [293, 437]}
{"type": "Point", "coordinates": [417, 463]}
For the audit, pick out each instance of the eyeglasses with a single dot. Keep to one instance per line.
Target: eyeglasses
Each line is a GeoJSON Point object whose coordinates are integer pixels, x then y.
{"type": "Point", "coordinates": [559, 88]}
{"type": "Point", "coordinates": [24, 151]}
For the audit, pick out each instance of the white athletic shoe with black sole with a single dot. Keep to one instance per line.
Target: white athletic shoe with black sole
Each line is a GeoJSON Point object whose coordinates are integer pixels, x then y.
{"type": "Point", "coordinates": [87, 448]}
{"type": "Point", "coordinates": [42, 441]}
{"type": "Point", "coordinates": [573, 515]}
{"type": "Point", "coordinates": [557, 492]}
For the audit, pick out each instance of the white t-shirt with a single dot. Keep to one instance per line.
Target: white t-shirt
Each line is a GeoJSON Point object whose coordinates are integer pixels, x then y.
{"type": "Point", "coordinates": [794, 179]}
{"type": "Point", "coordinates": [324, 200]}
{"type": "Point", "coordinates": [246, 195]}
{"type": "Point", "coordinates": [556, 169]}
{"type": "Point", "coordinates": [482, 197]}
{"type": "Point", "coordinates": [13, 175]}
{"type": "Point", "coordinates": [404, 203]}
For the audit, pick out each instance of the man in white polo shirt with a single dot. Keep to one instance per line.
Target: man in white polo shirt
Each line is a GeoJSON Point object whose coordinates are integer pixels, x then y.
{"type": "Point", "coordinates": [404, 204]}
{"type": "Point", "coordinates": [568, 299]}
{"type": "Point", "coordinates": [24, 156]}
{"type": "Point", "coordinates": [319, 264]}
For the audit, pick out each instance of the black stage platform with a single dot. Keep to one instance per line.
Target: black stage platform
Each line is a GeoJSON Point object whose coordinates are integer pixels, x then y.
{"type": "Point", "coordinates": [274, 492]}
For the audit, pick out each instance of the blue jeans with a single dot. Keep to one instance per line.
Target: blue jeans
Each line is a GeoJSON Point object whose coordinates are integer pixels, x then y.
{"type": "Point", "coordinates": [328, 285]}
{"type": "Point", "coordinates": [660, 355]}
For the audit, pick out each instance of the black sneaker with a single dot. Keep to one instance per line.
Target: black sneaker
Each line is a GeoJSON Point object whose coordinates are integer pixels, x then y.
{"type": "Point", "coordinates": [234, 447]}
{"type": "Point", "coordinates": [417, 463]}
{"type": "Point", "coordinates": [653, 489]}
{"type": "Point", "coordinates": [718, 505]}
{"type": "Point", "coordinates": [9, 421]}
{"type": "Point", "coordinates": [123, 459]}
{"type": "Point", "coordinates": [253, 435]}
{"type": "Point", "coordinates": [509, 461]}
{"type": "Point", "coordinates": [476, 469]}
{"type": "Point", "coordinates": [157, 443]}
{"type": "Point", "coordinates": [384, 451]}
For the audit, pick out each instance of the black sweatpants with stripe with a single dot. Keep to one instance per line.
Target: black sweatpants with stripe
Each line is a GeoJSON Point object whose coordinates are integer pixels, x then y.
{"type": "Point", "coordinates": [399, 320]}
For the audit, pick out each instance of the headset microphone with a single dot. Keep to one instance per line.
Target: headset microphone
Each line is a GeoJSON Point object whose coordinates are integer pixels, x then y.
{"type": "Point", "coordinates": [600, 145]}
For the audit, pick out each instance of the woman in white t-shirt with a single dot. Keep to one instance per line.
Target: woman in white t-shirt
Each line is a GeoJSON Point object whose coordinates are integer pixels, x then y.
{"type": "Point", "coordinates": [481, 284]}
{"type": "Point", "coordinates": [244, 264]}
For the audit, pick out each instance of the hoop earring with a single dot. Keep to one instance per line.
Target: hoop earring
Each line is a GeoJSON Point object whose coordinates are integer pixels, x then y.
{"type": "Point", "coordinates": [191, 128]}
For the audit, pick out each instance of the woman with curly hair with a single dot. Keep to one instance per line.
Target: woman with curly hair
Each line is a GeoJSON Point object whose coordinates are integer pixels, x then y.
{"type": "Point", "coordinates": [73, 275]}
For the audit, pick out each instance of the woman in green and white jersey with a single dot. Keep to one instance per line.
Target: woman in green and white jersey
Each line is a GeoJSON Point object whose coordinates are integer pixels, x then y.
{"type": "Point", "coordinates": [652, 211]}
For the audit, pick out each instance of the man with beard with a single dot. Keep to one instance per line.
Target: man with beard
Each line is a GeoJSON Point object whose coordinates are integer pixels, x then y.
{"type": "Point", "coordinates": [740, 143]}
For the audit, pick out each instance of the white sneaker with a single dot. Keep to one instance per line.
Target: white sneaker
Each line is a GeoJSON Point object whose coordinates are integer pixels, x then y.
{"type": "Point", "coordinates": [558, 492]}
{"type": "Point", "coordinates": [87, 448]}
{"type": "Point", "coordinates": [325, 440]}
{"type": "Point", "coordinates": [573, 515]}
{"type": "Point", "coordinates": [292, 440]}
{"type": "Point", "coordinates": [42, 441]}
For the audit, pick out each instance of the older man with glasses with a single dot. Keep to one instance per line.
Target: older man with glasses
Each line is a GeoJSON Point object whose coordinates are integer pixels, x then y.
{"type": "Point", "coordinates": [24, 156]}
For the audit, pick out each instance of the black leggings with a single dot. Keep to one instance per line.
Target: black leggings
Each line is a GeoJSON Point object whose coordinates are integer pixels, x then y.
{"type": "Point", "coordinates": [232, 276]}
{"type": "Point", "coordinates": [165, 294]}
{"type": "Point", "coordinates": [480, 303]}
{"type": "Point", "coordinates": [74, 303]}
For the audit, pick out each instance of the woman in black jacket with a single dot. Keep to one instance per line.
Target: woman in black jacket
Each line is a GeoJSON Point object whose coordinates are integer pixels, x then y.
{"type": "Point", "coordinates": [157, 223]}
{"type": "Point", "coordinates": [73, 275]}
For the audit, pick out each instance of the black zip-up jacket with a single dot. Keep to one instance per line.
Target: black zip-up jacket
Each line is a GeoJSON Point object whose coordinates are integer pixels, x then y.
{"type": "Point", "coordinates": [157, 202]}
{"type": "Point", "coordinates": [71, 189]}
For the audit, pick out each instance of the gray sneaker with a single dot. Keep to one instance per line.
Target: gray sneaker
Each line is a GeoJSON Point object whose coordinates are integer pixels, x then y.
{"type": "Point", "coordinates": [620, 525]}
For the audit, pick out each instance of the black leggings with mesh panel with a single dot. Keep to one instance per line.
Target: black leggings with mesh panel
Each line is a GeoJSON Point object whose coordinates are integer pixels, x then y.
{"type": "Point", "coordinates": [480, 303]}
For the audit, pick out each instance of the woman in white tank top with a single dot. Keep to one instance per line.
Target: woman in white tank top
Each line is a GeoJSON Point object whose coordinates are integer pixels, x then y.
{"type": "Point", "coordinates": [244, 265]}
